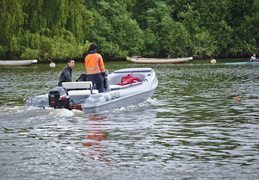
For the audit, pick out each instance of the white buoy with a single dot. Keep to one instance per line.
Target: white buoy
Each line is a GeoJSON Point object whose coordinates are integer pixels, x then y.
{"type": "Point", "coordinates": [213, 61]}
{"type": "Point", "coordinates": [52, 65]}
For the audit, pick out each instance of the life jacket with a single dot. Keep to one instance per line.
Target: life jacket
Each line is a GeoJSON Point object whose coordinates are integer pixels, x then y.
{"type": "Point", "coordinates": [128, 80]}
{"type": "Point", "coordinates": [94, 64]}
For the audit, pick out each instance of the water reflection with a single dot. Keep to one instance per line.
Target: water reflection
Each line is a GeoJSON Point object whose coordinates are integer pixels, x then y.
{"type": "Point", "coordinates": [96, 127]}
{"type": "Point", "coordinates": [96, 130]}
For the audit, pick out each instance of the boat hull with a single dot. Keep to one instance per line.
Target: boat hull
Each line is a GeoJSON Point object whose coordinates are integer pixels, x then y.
{"type": "Point", "coordinates": [117, 103]}
{"type": "Point", "coordinates": [242, 63]}
{"type": "Point", "coordinates": [117, 96]}
{"type": "Point", "coordinates": [159, 60]}
{"type": "Point", "coordinates": [18, 62]}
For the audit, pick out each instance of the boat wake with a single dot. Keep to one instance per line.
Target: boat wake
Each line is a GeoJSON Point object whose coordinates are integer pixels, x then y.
{"type": "Point", "coordinates": [5, 110]}
{"type": "Point", "coordinates": [36, 112]}
{"type": "Point", "coordinates": [138, 107]}
{"type": "Point", "coordinates": [64, 112]}
{"type": "Point", "coordinates": [60, 113]}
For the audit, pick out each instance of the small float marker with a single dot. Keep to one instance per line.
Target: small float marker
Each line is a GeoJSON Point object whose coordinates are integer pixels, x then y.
{"type": "Point", "coordinates": [52, 65]}
{"type": "Point", "coordinates": [213, 61]}
{"type": "Point", "coordinates": [237, 98]}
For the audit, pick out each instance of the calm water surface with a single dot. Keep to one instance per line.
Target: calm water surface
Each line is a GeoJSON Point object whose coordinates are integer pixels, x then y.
{"type": "Point", "coordinates": [192, 127]}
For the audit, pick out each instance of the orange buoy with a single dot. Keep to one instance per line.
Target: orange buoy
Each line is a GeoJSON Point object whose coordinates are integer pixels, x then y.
{"type": "Point", "coordinates": [237, 98]}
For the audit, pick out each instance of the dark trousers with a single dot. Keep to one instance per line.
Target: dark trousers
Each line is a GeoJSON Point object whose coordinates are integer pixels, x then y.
{"type": "Point", "coordinates": [97, 80]}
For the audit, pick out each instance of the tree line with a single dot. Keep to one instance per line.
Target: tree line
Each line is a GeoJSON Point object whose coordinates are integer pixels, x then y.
{"type": "Point", "coordinates": [61, 29]}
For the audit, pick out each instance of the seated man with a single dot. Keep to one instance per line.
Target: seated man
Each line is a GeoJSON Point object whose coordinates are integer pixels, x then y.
{"type": "Point", "coordinates": [66, 74]}
{"type": "Point", "coordinates": [253, 58]}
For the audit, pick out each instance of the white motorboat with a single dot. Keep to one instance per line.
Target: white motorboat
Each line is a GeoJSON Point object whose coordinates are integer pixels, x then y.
{"type": "Point", "coordinates": [18, 62]}
{"type": "Point", "coordinates": [81, 95]}
{"type": "Point", "coordinates": [140, 60]}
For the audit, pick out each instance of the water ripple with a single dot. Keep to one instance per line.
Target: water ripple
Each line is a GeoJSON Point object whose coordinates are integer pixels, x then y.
{"type": "Point", "coordinates": [192, 128]}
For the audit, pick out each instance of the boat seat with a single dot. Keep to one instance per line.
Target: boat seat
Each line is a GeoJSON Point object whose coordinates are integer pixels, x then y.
{"type": "Point", "coordinates": [82, 92]}
{"type": "Point", "coordinates": [80, 88]}
{"type": "Point", "coordinates": [78, 85]}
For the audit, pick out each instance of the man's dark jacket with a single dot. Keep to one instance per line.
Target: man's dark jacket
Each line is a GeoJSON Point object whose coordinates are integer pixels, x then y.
{"type": "Point", "coordinates": [65, 76]}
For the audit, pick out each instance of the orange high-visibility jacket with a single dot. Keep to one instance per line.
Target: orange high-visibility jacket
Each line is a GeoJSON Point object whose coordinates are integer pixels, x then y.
{"type": "Point", "coordinates": [94, 64]}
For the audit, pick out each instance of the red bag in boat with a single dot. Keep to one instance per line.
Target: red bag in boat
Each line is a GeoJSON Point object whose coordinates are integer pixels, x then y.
{"type": "Point", "coordinates": [128, 80]}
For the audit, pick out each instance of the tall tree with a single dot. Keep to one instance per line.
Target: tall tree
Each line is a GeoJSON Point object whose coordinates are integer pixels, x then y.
{"type": "Point", "coordinates": [115, 31]}
{"type": "Point", "coordinates": [206, 21]}
{"type": "Point", "coordinates": [243, 17]}
{"type": "Point", "coordinates": [11, 18]}
{"type": "Point", "coordinates": [49, 29]}
{"type": "Point", "coordinates": [165, 36]}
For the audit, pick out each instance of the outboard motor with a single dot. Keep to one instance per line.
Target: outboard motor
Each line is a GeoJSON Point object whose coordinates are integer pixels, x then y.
{"type": "Point", "coordinates": [58, 98]}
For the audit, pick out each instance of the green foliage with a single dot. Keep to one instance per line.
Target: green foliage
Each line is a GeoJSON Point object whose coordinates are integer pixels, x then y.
{"type": "Point", "coordinates": [3, 51]}
{"type": "Point", "coordinates": [171, 36]}
{"type": "Point", "coordinates": [206, 22]}
{"type": "Point", "coordinates": [57, 30]}
{"type": "Point", "coordinates": [116, 33]}
{"type": "Point", "coordinates": [204, 44]}
{"type": "Point", "coordinates": [11, 19]}
{"type": "Point", "coordinates": [28, 53]}
{"type": "Point", "coordinates": [44, 29]}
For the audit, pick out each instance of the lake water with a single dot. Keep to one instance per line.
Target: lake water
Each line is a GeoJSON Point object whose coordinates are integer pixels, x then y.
{"type": "Point", "coordinates": [192, 127]}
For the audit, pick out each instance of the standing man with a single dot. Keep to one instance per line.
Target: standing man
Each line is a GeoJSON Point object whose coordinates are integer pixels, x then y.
{"type": "Point", "coordinates": [95, 69]}
{"type": "Point", "coordinates": [66, 74]}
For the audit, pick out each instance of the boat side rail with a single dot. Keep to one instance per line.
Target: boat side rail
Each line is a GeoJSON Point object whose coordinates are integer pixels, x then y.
{"type": "Point", "coordinates": [133, 70]}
